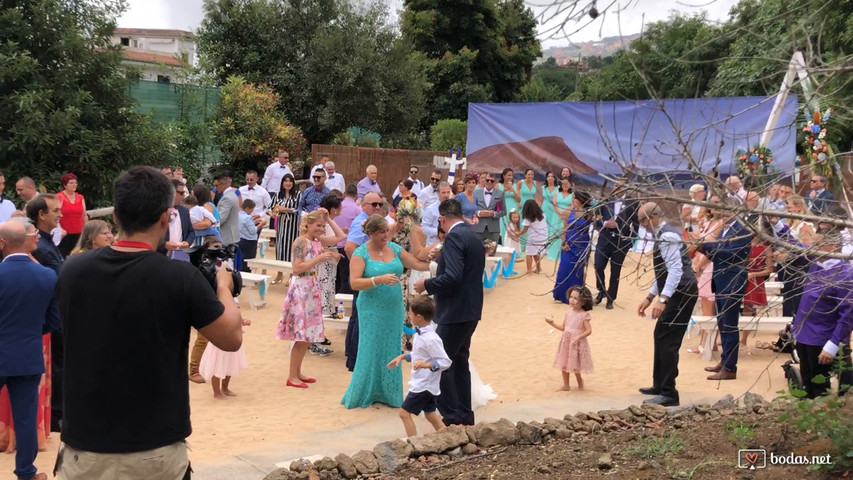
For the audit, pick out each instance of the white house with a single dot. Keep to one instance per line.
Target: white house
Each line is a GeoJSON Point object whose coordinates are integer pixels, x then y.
{"type": "Point", "coordinates": [159, 54]}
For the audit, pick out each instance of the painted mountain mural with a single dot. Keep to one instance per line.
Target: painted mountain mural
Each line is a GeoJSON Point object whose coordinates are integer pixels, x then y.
{"type": "Point", "coordinates": [541, 154]}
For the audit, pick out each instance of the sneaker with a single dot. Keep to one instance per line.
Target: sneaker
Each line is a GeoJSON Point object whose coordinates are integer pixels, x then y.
{"type": "Point", "coordinates": [316, 349]}
{"type": "Point", "coordinates": [326, 342]}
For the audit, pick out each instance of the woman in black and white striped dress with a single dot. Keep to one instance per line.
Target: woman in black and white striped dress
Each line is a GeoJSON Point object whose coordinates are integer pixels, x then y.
{"type": "Point", "coordinates": [287, 228]}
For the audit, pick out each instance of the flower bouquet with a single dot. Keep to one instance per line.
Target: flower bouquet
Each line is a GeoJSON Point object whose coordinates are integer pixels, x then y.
{"type": "Point", "coordinates": [754, 165]}
{"type": "Point", "coordinates": [816, 150]}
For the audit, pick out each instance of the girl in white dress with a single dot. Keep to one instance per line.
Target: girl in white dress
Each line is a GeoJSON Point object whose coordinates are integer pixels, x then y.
{"type": "Point", "coordinates": [534, 225]}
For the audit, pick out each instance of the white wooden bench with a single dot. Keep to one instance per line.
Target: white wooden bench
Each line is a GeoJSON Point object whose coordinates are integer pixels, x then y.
{"type": "Point", "coordinates": [330, 323]}
{"type": "Point", "coordinates": [264, 264]}
{"type": "Point", "coordinates": [772, 287]}
{"type": "Point", "coordinates": [267, 233]}
{"type": "Point", "coordinates": [755, 324]}
{"type": "Point", "coordinates": [252, 282]}
{"type": "Point", "coordinates": [347, 299]}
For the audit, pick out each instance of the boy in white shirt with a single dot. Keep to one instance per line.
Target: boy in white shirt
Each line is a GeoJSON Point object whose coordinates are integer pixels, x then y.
{"type": "Point", "coordinates": [428, 361]}
{"type": "Point", "coordinates": [197, 212]}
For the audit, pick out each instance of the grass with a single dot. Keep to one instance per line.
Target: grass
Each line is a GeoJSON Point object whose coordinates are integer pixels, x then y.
{"type": "Point", "coordinates": [653, 447]}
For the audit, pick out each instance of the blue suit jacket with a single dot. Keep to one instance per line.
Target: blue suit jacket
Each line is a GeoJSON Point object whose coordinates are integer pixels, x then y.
{"type": "Point", "coordinates": [821, 202]}
{"type": "Point", "coordinates": [28, 310]}
{"type": "Point", "coordinates": [731, 258]}
{"type": "Point", "coordinates": [458, 281]}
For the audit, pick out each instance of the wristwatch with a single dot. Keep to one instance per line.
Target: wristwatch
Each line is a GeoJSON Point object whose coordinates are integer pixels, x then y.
{"type": "Point", "coordinates": [662, 300]}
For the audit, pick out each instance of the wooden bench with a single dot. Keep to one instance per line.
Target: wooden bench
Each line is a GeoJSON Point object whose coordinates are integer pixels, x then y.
{"type": "Point", "coordinates": [772, 287]}
{"type": "Point", "coordinates": [252, 282]}
{"type": "Point", "coordinates": [755, 324]}
{"type": "Point", "coordinates": [267, 233]}
{"type": "Point", "coordinates": [264, 264]}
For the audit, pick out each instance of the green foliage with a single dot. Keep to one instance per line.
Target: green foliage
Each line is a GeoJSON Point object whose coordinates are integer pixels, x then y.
{"type": "Point", "coordinates": [476, 50]}
{"type": "Point", "coordinates": [662, 446]}
{"type": "Point", "coordinates": [740, 433]}
{"type": "Point", "coordinates": [554, 77]}
{"type": "Point", "coordinates": [64, 97]}
{"type": "Point", "coordinates": [357, 137]}
{"type": "Point", "coordinates": [250, 128]}
{"type": "Point", "coordinates": [332, 64]}
{"type": "Point", "coordinates": [537, 91]}
{"type": "Point", "coordinates": [449, 133]}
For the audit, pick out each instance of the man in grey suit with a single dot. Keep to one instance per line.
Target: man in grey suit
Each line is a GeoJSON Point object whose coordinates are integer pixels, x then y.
{"type": "Point", "coordinates": [490, 209]}
{"type": "Point", "coordinates": [229, 210]}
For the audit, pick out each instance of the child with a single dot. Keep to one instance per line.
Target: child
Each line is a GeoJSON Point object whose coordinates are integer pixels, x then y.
{"type": "Point", "coordinates": [248, 233]}
{"type": "Point", "coordinates": [534, 222]}
{"type": "Point", "coordinates": [513, 228]}
{"type": "Point", "coordinates": [218, 364]}
{"type": "Point", "coordinates": [574, 356]}
{"type": "Point", "coordinates": [204, 223]}
{"type": "Point", "coordinates": [428, 361]}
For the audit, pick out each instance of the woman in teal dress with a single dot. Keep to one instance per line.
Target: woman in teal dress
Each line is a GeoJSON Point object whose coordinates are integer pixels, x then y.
{"type": "Point", "coordinates": [549, 188]}
{"type": "Point", "coordinates": [563, 200]}
{"type": "Point", "coordinates": [375, 271]}
{"type": "Point", "coordinates": [526, 191]}
{"type": "Point", "coordinates": [510, 198]}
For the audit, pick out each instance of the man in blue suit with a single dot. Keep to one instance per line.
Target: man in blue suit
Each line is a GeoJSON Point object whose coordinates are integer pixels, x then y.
{"type": "Point", "coordinates": [730, 254]}
{"type": "Point", "coordinates": [28, 310]}
{"type": "Point", "coordinates": [819, 199]}
{"type": "Point", "coordinates": [458, 290]}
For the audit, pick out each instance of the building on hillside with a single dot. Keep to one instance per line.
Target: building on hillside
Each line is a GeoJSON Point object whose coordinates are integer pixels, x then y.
{"type": "Point", "coordinates": [160, 55]}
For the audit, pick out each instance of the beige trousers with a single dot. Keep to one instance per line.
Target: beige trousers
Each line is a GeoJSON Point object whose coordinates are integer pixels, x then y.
{"type": "Point", "coordinates": [165, 463]}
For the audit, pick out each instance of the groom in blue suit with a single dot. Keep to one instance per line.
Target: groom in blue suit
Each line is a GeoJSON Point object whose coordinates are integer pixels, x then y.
{"type": "Point", "coordinates": [28, 310]}
{"type": "Point", "coordinates": [458, 290]}
{"type": "Point", "coordinates": [730, 254]}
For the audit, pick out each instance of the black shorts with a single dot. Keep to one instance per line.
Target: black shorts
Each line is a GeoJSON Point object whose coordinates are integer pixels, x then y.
{"type": "Point", "coordinates": [415, 403]}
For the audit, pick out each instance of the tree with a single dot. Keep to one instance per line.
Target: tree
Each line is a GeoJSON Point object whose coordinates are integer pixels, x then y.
{"type": "Point", "coordinates": [449, 133]}
{"type": "Point", "coordinates": [65, 101]}
{"type": "Point", "coordinates": [560, 79]}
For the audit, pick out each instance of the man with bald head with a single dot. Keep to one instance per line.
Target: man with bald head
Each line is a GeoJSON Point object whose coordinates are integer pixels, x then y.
{"type": "Point", "coordinates": [368, 183]}
{"type": "Point", "coordinates": [676, 291]}
{"type": "Point", "coordinates": [371, 204]}
{"type": "Point", "coordinates": [29, 310]}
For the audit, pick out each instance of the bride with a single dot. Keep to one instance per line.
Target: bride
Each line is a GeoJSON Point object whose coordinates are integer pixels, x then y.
{"type": "Point", "coordinates": [480, 393]}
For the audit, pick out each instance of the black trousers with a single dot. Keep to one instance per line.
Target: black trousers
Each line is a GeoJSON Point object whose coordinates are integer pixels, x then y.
{"type": "Point", "coordinates": [454, 403]}
{"type": "Point", "coordinates": [342, 275]}
{"type": "Point", "coordinates": [613, 249]}
{"type": "Point", "coordinates": [793, 277]}
{"type": "Point", "coordinates": [669, 333]}
{"type": "Point", "coordinates": [810, 368]}
{"type": "Point", "coordinates": [351, 338]}
{"type": "Point", "coordinates": [249, 249]}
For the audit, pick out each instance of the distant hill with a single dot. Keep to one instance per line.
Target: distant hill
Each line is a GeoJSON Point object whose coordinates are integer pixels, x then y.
{"type": "Point", "coordinates": [541, 154]}
{"type": "Point", "coordinates": [604, 47]}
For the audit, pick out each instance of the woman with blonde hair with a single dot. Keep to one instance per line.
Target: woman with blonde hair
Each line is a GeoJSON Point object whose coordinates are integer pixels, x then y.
{"type": "Point", "coordinates": [95, 234]}
{"type": "Point", "coordinates": [302, 313]}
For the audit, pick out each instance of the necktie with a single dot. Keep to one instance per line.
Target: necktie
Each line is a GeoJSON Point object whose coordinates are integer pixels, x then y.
{"type": "Point", "coordinates": [418, 330]}
{"type": "Point", "coordinates": [283, 166]}
{"type": "Point", "coordinates": [332, 176]}
{"type": "Point", "coordinates": [372, 182]}
{"type": "Point", "coordinates": [251, 188]}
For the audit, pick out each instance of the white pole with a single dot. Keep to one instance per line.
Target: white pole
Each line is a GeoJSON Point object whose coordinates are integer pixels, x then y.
{"type": "Point", "coordinates": [797, 65]}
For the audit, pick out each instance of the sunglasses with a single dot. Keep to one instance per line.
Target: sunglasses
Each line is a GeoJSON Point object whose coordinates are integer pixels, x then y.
{"type": "Point", "coordinates": [318, 177]}
{"type": "Point", "coordinates": [489, 180]}
{"type": "Point", "coordinates": [376, 204]}
{"type": "Point", "coordinates": [434, 179]}
{"type": "Point", "coordinates": [413, 172]}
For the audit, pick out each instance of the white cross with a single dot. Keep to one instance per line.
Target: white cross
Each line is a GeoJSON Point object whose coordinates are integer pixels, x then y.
{"type": "Point", "coordinates": [451, 163]}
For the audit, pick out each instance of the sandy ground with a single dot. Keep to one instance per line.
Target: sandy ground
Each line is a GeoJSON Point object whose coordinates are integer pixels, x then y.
{"type": "Point", "coordinates": [513, 350]}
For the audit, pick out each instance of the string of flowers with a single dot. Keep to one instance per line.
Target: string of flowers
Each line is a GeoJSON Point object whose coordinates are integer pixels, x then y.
{"type": "Point", "coordinates": [815, 147]}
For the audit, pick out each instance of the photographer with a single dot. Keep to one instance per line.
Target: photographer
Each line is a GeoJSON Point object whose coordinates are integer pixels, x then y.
{"type": "Point", "coordinates": [127, 313]}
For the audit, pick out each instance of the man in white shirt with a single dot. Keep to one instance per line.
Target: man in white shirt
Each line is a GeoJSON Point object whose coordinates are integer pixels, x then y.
{"type": "Point", "coordinates": [6, 205]}
{"type": "Point", "coordinates": [334, 180]}
{"type": "Point", "coordinates": [417, 185]}
{"type": "Point", "coordinates": [735, 189]}
{"type": "Point", "coordinates": [429, 194]}
{"type": "Point", "coordinates": [430, 220]}
{"type": "Point", "coordinates": [275, 172]}
{"type": "Point", "coordinates": [258, 195]}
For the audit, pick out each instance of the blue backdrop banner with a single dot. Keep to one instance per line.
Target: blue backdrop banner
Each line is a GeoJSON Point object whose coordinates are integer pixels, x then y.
{"type": "Point", "coordinates": [608, 137]}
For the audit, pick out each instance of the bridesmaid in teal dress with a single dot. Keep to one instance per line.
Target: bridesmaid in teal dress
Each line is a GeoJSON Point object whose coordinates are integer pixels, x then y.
{"type": "Point", "coordinates": [555, 225]}
{"type": "Point", "coordinates": [563, 200]}
{"type": "Point", "coordinates": [510, 198]}
{"type": "Point", "coordinates": [527, 191]}
{"type": "Point", "coordinates": [375, 271]}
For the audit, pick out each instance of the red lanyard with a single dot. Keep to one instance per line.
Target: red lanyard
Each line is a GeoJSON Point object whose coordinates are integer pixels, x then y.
{"type": "Point", "coordinates": [129, 244]}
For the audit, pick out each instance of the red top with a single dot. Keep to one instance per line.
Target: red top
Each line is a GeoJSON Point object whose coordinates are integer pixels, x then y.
{"type": "Point", "coordinates": [72, 212]}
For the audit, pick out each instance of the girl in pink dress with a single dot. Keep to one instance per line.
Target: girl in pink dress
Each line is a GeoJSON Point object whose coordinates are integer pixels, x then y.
{"type": "Point", "coordinates": [302, 314]}
{"type": "Point", "coordinates": [573, 355]}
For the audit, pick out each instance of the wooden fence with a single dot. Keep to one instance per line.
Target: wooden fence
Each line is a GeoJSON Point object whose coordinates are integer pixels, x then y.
{"type": "Point", "coordinates": [392, 165]}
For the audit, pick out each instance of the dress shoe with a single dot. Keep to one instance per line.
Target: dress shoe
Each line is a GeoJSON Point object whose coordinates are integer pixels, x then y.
{"type": "Point", "coordinates": [716, 368]}
{"type": "Point", "coordinates": [609, 305]}
{"type": "Point", "coordinates": [37, 476]}
{"type": "Point", "coordinates": [196, 378]}
{"type": "Point", "coordinates": [663, 400]}
{"type": "Point", "coordinates": [650, 391]}
{"type": "Point", "coordinates": [599, 298]}
{"type": "Point", "coordinates": [723, 375]}
{"type": "Point", "coordinates": [297, 385]}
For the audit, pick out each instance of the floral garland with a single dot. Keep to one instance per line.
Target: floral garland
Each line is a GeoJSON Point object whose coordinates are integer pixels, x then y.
{"type": "Point", "coordinates": [755, 161]}
{"type": "Point", "coordinates": [814, 143]}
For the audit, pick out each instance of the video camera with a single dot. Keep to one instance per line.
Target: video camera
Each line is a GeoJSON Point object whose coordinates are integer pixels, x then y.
{"type": "Point", "coordinates": [209, 259]}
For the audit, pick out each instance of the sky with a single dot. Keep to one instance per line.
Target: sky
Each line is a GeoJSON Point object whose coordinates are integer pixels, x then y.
{"type": "Point", "coordinates": [625, 16]}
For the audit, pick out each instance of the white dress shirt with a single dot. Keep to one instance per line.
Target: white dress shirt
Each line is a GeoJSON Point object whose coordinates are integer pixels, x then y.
{"type": "Point", "coordinates": [428, 347]}
{"type": "Point", "coordinates": [7, 208]}
{"type": "Point", "coordinates": [429, 223]}
{"type": "Point", "coordinates": [259, 195]}
{"type": "Point", "coordinates": [427, 197]}
{"type": "Point", "coordinates": [336, 181]}
{"type": "Point", "coordinates": [272, 177]}
{"type": "Point", "coordinates": [669, 244]}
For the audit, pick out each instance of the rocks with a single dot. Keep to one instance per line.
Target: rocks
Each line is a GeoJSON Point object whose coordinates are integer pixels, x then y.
{"type": "Point", "coordinates": [637, 411]}
{"type": "Point", "coordinates": [278, 474]}
{"type": "Point", "coordinates": [300, 465]}
{"type": "Point", "coordinates": [440, 441]}
{"type": "Point", "coordinates": [502, 432]}
{"type": "Point", "coordinates": [365, 463]}
{"type": "Point", "coordinates": [591, 426]}
{"type": "Point", "coordinates": [703, 409]}
{"type": "Point", "coordinates": [563, 432]}
{"type": "Point", "coordinates": [605, 462]}
{"type": "Point", "coordinates": [392, 455]}
{"type": "Point", "coordinates": [726, 402]}
{"type": "Point", "coordinates": [346, 466]}
{"type": "Point", "coordinates": [470, 449]}
{"type": "Point", "coordinates": [555, 422]}
{"type": "Point", "coordinates": [654, 411]}
{"type": "Point", "coordinates": [326, 463]}
{"type": "Point", "coordinates": [528, 434]}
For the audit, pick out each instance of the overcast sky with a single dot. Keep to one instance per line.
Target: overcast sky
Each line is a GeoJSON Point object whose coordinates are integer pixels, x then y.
{"type": "Point", "coordinates": [627, 15]}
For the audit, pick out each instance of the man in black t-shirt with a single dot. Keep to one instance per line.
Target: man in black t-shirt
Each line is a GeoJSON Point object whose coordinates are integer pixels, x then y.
{"type": "Point", "coordinates": [127, 315]}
